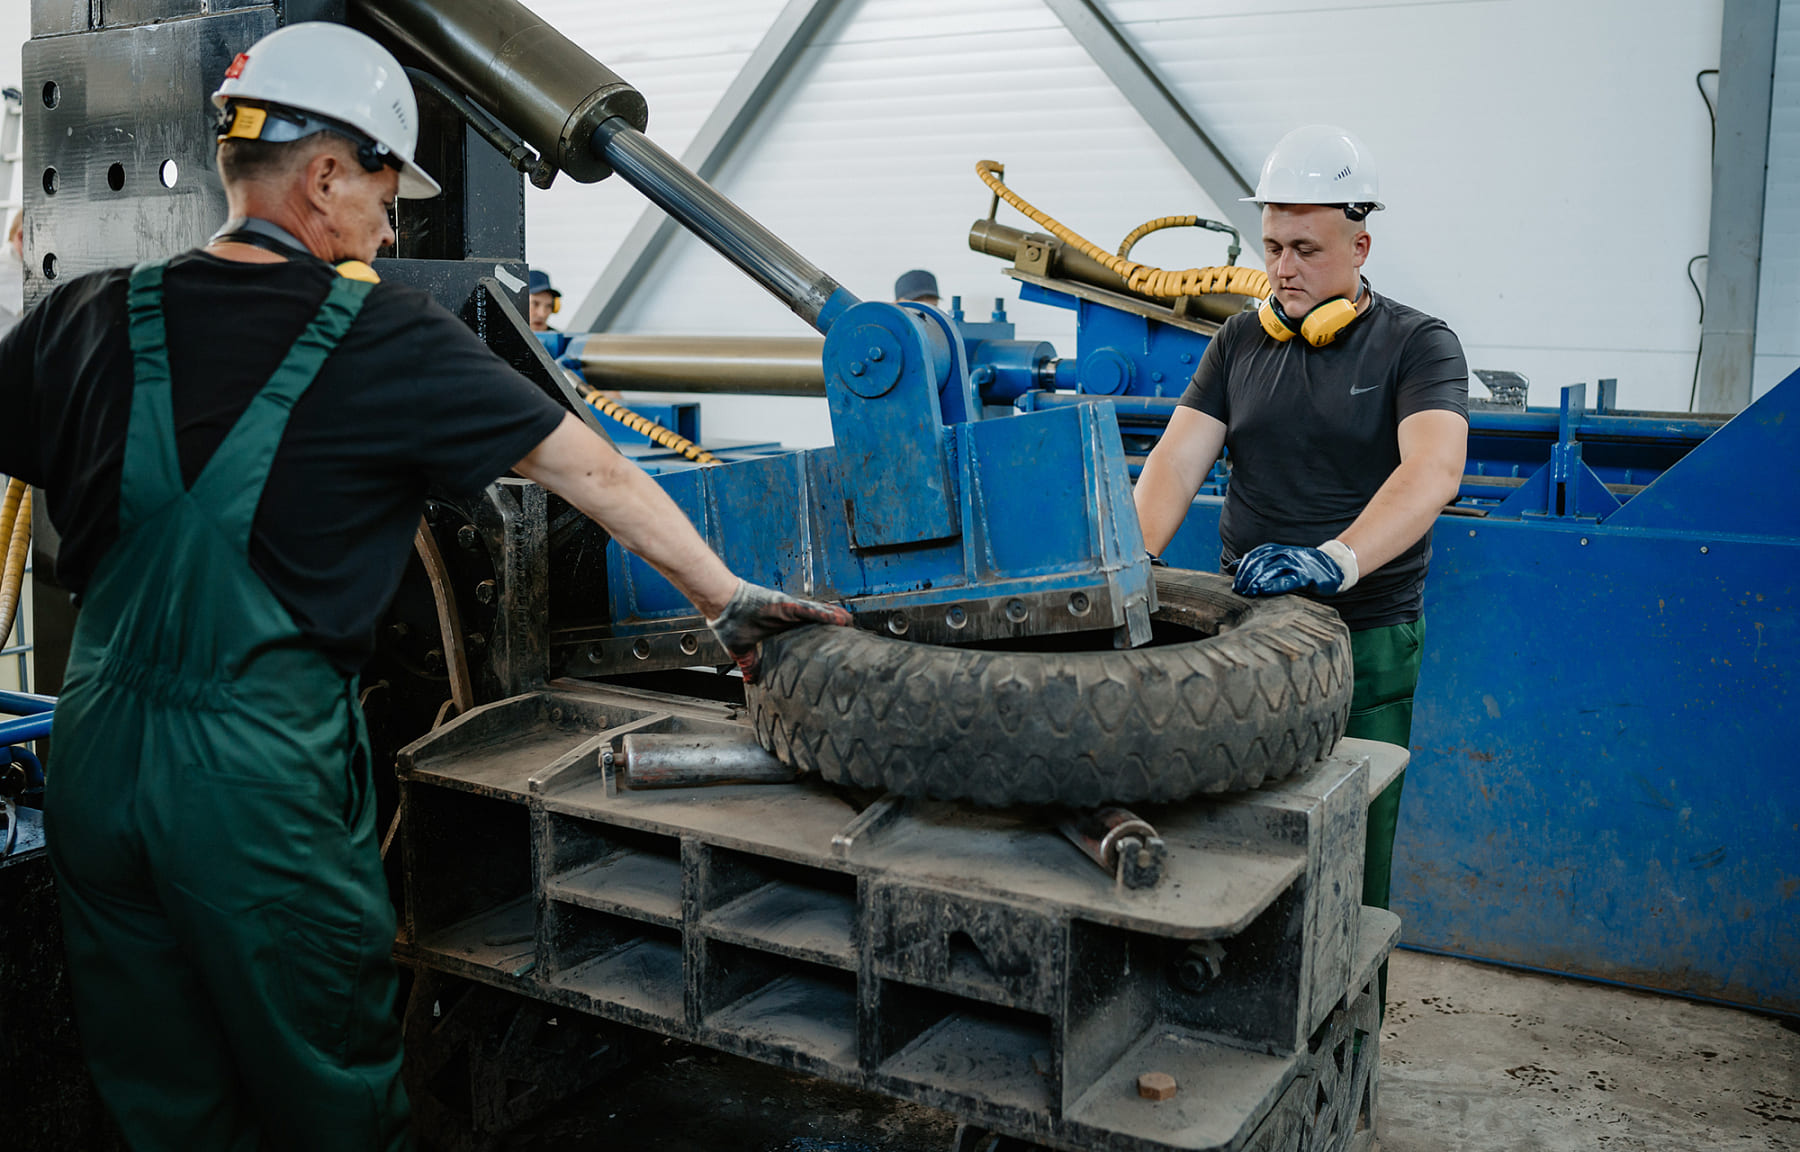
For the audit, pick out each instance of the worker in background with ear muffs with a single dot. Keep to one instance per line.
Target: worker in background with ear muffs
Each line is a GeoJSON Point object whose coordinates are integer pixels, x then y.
{"type": "Point", "coordinates": [545, 301]}
{"type": "Point", "coordinates": [1346, 417]}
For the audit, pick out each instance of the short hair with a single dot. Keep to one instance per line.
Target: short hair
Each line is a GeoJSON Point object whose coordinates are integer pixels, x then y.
{"type": "Point", "coordinates": [243, 160]}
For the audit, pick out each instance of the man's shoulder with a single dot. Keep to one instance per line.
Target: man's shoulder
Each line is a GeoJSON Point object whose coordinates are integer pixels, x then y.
{"type": "Point", "coordinates": [1407, 320]}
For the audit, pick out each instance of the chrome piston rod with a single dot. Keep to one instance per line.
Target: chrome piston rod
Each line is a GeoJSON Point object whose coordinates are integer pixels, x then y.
{"type": "Point", "coordinates": [728, 229]}
{"type": "Point", "coordinates": [772, 366]}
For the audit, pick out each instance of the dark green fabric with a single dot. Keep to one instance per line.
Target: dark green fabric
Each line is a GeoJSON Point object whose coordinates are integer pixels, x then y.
{"type": "Point", "coordinates": [1381, 702]}
{"type": "Point", "coordinates": [211, 820]}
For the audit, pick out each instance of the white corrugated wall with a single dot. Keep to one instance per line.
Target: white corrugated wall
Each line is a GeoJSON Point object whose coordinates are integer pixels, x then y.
{"type": "Point", "coordinates": [1778, 295]}
{"type": "Point", "coordinates": [1545, 163]}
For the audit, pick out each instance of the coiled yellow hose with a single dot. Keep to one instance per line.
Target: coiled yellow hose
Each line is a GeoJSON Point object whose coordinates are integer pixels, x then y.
{"type": "Point", "coordinates": [1140, 278]}
{"type": "Point", "coordinates": [15, 530]}
{"type": "Point", "coordinates": [1149, 226]}
{"type": "Point", "coordinates": [655, 432]}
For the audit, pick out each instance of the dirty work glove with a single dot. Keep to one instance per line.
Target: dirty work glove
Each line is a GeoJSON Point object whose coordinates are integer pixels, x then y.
{"type": "Point", "coordinates": [756, 613]}
{"type": "Point", "coordinates": [1275, 569]}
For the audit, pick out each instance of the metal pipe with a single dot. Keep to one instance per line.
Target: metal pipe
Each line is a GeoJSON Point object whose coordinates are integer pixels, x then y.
{"type": "Point", "coordinates": [533, 79]}
{"type": "Point", "coordinates": [775, 366]}
{"type": "Point", "coordinates": [650, 760]}
{"type": "Point", "coordinates": [815, 297]}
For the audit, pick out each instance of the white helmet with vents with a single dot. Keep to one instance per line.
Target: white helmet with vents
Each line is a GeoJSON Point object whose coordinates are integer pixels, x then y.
{"type": "Point", "coordinates": [1320, 164]}
{"type": "Point", "coordinates": [317, 76]}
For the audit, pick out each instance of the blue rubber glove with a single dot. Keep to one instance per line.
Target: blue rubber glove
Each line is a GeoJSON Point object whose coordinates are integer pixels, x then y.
{"type": "Point", "coordinates": [1277, 569]}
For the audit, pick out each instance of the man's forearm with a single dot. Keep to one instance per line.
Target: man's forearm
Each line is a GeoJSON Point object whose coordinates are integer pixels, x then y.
{"type": "Point", "coordinates": [1402, 511]}
{"type": "Point", "coordinates": [623, 499]}
{"type": "Point", "coordinates": [1162, 500]}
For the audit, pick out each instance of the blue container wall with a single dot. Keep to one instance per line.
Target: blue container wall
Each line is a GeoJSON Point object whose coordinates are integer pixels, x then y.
{"type": "Point", "coordinates": [1606, 755]}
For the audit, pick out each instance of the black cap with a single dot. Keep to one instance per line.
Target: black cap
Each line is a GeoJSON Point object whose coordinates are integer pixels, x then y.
{"type": "Point", "coordinates": [915, 284]}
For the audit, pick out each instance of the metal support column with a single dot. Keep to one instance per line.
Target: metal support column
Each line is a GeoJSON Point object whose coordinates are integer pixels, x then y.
{"type": "Point", "coordinates": [1740, 167]}
{"type": "Point", "coordinates": [737, 110]}
{"type": "Point", "coordinates": [1132, 75]}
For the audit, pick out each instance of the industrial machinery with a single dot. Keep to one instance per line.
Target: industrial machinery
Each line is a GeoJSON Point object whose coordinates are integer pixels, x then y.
{"type": "Point", "coordinates": [1612, 611]}
{"type": "Point", "coordinates": [1196, 974]}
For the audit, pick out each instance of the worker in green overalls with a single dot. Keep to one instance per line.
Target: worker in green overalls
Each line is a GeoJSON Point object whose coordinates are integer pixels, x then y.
{"type": "Point", "coordinates": [236, 445]}
{"type": "Point", "coordinates": [1346, 417]}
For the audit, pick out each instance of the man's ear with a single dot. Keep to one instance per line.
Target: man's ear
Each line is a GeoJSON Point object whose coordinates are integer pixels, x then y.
{"type": "Point", "coordinates": [1362, 247]}
{"type": "Point", "coordinates": [323, 172]}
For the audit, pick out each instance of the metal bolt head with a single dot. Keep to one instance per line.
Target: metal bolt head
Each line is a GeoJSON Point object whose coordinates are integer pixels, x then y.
{"type": "Point", "coordinates": [1584, 541]}
{"type": "Point", "coordinates": [856, 368]}
{"type": "Point", "coordinates": [1079, 604]}
{"type": "Point", "coordinates": [1187, 357]}
{"type": "Point", "coordinates": [1156, 377]}
{"type": "Point", "coordinates": [690, 644]}
{"type": "Point", "coordinates": [466, 537]}
{"type": "Point", "coordinates": [875, 352]}
{"type": "Point", "coordinates": [485, 592]}
{"type": "Point", "coordinates": [1704, 549]}
{"type": "Point", "coordinates": [434, 661]}
{"type": "Point", "coordinates": [896, 623]}
{"type": "Point", "coordinates": [1156, 1086]}
{"type": "Point", "coordinates": [556, 715]}
{"type": "Point", "coordinates": [641, 649]}
{"type": "Point", "coordinates": [956, 617]}
{"type": "Point", "coordinates": [1016, 611]}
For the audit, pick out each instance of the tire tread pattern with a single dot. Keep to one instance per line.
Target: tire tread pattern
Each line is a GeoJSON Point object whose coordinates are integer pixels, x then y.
{"type": "Point", "coordinates": [1266, 696]}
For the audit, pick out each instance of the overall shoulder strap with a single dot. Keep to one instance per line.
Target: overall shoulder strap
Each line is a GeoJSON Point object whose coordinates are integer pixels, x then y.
{"type": "Point", "coordinates": [151, 476]}
{"type": "Point", "coordinates": [231, 485]}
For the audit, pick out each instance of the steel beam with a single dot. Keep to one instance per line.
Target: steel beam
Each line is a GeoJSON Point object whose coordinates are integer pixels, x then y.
{"type": "Point", "coordinates": [1133, 76]}
{"type": "Point", "coordinates": [1740, 171]}
{"type": "Point", "coordinates": [736, 111]}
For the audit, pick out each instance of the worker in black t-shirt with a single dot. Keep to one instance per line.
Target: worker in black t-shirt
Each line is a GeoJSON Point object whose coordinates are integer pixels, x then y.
{"type": "Point", "coordinates": [236, 445]}
{"type": "Point", "coordinates": [1346, 417]}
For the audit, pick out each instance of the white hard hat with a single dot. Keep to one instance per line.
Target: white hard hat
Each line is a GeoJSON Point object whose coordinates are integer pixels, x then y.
{"type": "Point", "coordinates": [335, 78]}
{"type": "Point", "coordinates": [1320, 164]}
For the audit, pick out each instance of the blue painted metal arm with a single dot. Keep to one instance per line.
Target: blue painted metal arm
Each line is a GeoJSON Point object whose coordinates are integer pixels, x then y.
{"type": "Point", "coordinates": [25, 703]}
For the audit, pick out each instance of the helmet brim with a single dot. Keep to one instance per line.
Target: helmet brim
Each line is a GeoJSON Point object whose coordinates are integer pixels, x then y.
{"type": "Point", "coordinates": [416, 184]}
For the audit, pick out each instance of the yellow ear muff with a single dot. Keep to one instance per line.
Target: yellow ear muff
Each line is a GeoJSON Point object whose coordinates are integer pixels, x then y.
{"type": "Point", "coordinates": [1273, 322]}
{"type": "Point", "coordinates": [555, 305]}
{"type": "Point", "coordinates": [1323, 323]}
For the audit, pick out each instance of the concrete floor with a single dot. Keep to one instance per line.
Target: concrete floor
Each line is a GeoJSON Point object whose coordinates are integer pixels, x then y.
{"type": "Point", "coordinates": [1483, 1059]}
{"type": "Point", "coordinates": [1474, 1059]}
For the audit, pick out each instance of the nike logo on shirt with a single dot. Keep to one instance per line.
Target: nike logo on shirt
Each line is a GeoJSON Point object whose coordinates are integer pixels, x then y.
{"type": "Point", "coordinates": [1360, 391]}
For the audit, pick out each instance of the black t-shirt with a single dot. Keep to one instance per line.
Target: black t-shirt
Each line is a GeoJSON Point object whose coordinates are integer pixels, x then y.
{"type": "Point", "coordinates": [1313, 433]}
{"type": "Point", "coordinates": [410, 400]}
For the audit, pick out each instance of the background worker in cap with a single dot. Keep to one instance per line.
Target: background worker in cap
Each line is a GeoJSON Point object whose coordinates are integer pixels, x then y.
{"type": "Point", "coordinates": [545, 300]}
{"type": "Point", "coordinates": [236, 513]}
{"type": "Point", "coordinates": [1346, 414]}
{"type": "Point", "coordinates": [917, 286]}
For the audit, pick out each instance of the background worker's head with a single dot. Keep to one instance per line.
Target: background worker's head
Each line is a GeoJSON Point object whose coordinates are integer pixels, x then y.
{"type": "Point", "coordinates": [317, 128]}
{"type": "Point", "coordinates": [918, 285]}
{"type": "Point", "coordinates": [1317, 187]}
{"type": "Point", "coordinates": [545, 301]}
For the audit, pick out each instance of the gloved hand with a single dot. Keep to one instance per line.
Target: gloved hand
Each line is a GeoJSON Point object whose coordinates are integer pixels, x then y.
{"type": "Point", "coordinates": [1276, 569]}
{"type": "Point", "coordinates": [756, 613]}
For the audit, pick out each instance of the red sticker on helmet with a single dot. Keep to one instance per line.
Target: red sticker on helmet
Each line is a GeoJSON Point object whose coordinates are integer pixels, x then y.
{"type": "Point", "coordinates": [237, 66]}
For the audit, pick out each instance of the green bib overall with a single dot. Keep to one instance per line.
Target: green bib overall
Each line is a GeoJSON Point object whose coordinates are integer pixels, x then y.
{"type": "Point", "coordinates": [211, 820]}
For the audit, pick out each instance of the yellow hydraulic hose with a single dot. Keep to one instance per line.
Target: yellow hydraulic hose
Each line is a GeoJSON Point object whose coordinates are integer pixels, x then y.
{"type": "Point", "coordinates": [1149, 226]}
{"type": "Point", "coordinates": [656, 433]}
{"type": "Point", "coordinates": [1138, 277]}
{"type": "Point", "coordinates": [15, 518]}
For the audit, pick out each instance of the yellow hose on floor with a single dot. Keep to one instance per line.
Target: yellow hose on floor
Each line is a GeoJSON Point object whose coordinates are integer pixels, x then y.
{"type": "Point", "coordinates": [15, 520]}
{"type": "Point", "coordinates": [1138, 277]}
{"type": "Point", "coordinates": [655, 432]}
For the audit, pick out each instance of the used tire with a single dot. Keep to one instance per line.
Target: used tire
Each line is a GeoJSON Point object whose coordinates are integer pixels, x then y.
{"type": "Point", "coordinates": [1264, 690]}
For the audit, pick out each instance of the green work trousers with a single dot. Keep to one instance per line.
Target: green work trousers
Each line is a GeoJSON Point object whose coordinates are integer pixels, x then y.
{"type": "Point", "coordinates": [1381, 703]}
{"type": "Point", "coordinates": [210, 814]}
